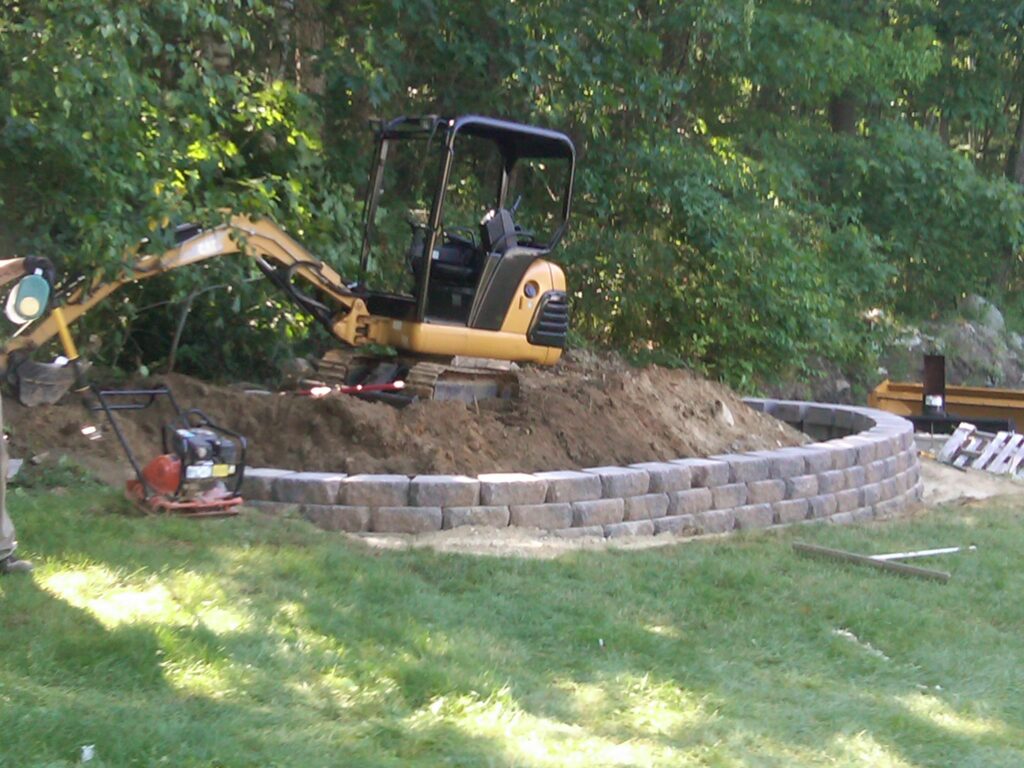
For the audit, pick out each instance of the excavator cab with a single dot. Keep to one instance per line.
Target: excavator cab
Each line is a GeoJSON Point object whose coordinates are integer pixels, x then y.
{"type": "Point", "coordinates": [482, 202]}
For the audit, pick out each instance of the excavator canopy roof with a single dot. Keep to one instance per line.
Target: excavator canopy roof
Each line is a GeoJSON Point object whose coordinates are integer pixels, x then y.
{"type": "Point", "coordinates": [514, 140]}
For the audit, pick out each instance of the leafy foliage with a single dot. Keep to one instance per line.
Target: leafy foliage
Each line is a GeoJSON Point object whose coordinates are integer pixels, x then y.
{"type": "Point", "coordinates": [754, 175]}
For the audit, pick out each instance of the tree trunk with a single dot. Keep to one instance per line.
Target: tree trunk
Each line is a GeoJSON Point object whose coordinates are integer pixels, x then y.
{"type": "Point", "coordinates": [1015, 156]}
{"type": "Point", "coordinates": [309, 42]}
{"type": "Point", "coordinates": [842, 113]}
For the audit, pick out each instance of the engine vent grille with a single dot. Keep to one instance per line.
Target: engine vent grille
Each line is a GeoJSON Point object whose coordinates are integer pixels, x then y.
{"type": "Point", "coordinates": [551, 323]}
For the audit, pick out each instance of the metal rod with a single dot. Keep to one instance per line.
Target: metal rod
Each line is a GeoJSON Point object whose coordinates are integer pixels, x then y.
{"type": "Point", "coordinates": [884, 565]}
{"type": "Point", "coordinates": [921, 553]}
{"type": "Point", "coordinates": [147, 491]}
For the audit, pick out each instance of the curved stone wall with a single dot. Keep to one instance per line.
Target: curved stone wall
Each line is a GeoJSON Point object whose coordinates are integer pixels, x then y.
{"type": "Point", "coordinates": [865, 466]}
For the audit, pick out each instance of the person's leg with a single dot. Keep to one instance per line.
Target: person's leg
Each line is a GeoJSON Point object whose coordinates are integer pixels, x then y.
{"type": "Point", "coordinates": [7, 540]}
{"type": "Point", "coordinates": [8, 562]}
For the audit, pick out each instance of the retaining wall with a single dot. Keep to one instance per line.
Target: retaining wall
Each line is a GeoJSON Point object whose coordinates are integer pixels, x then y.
{"type": "Point", "coordinates": [865, 466]}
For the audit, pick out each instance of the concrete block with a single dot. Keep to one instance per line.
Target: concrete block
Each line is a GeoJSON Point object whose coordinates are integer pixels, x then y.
{"type": "Point", "coordinates": [375, 491]}
{"type": "Point", "coordinates": [587, 531]}
{"type": "Point", "coordinates": [665, 477]}
{"type": "Point", "coordinates": [866, 421]}
{"type": "Point", "coordinates": [507, 488]}
{"type": "Point", "coordinates": [406, 519]}
{"type": "Point", "coordinates": [907, 436]}
{"type": "Point", "coordinates": [568, 486]}
{"type": "Point", "coordinates": [791, 511]}
{"type": "Point", "coordinates": [620, 482]}
{"type": "Point", "coordinates": [633, 528]}
{"type": "Point", "coordinates": [756, 404]}
{"type": "Point", "coordinates": [336, 517]}
{"type": "Point", "coordinates": [890, 488]}
{"type": "Point", "coordinates": [855, 477]}
{"type": "Point", "coordinates": [888, 509]}
{"type": "Point", "coordinates": [871, 494]}
{"type": "Point", "coordinates": [891, 466]}
{"type": "Point", "coordinates": [546, 516]}
{"type": "Point", "coordinates": [599, 512]}
{"type": "Point", "coordinates": [766, 491]}
{"type": "Point", "coordinates": [715, 521]}
{"type": "Point", "coordinates": [903, 460]}
{"type": "Point", "coordinates": [444, 491]}
{"type": "Point", "coordinates": [867, 450]}
{"type": "Point", "coordinates": [680, 525]}
{"type": "Point", "coordinates": [844, 455]}
{"type": "Point", "coordinates": [801, 487]}
{"type": "Point", "coordinates": [862, 514]}
{"type": "Point", "coordinates": [823, 506]}
{"type": "Point", "coordinates": [874, 472]}
{"type": "Point", "coordinates": [818, 414]}
{"type": "Point", "coordinates": [845, 420]}
{"type": "Point", "coordinates": [841, 518]}
{"type": "Point", "coordinates": [816, 460]}
{"type": "Point", "coordinates": [886, 446]}
{"type": "Point", "coordinates": [907, 459]}
{"type": "Point", "coordinates": [308, 487]}
{"type": "Point", "coordinates": [753, 516]}
{"type": "Point", "coordinates": [782, 465]}
{"type": "Point", "coordinates": [832, 482]}
{"type": "Point", "coordinates": [490, 517]}
{"type": "Point", "coordinates": [817, 432]}
{"type": "Point", "coordinates": [814, 521]}
{"type": "Point", "coordinates": [646, 507]}
{"type": "Point", "coordinates": [848, 500]}
{"type": "Point", "coordinates": [689, 502]}
{"type": "Point", "coordinates": [744, 467]}
{"type": "Point", "coordinates": [789, 412]}
{"type": "Point", "coordinates": [705, 473]}
{"type": "Point", "coordinates": [258, 482]}
{"type": "Point", "coordinates": [728, 496]}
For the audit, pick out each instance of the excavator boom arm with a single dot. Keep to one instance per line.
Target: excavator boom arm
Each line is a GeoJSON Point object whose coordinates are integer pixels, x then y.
{"type": "Point", "coordinates": [262, 240]}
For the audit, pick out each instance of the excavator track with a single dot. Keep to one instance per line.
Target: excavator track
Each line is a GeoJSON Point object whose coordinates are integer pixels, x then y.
{"type": "Point", "coordinates": [439, 381]}
{"type": "Point", "coordinates": [424, 379]}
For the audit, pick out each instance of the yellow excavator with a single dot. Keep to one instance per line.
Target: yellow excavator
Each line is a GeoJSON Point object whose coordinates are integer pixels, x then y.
{"type": "Point", "coordinates": [456, 294]}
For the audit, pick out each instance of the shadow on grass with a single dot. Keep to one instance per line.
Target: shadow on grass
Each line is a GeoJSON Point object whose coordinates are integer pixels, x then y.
{"type": "Point", "coordinates": [276, 641]}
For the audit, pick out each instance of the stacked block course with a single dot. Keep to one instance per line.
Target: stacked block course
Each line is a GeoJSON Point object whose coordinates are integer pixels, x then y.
{"type": "Point", "coordinates": [864, 466]}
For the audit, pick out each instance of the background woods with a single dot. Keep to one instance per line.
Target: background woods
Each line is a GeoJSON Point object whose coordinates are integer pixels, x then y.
{"type": "Point", "coordinates": [754, 176]}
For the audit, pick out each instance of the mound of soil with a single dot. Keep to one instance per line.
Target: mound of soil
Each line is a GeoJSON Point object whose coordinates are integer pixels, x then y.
{"type": "Point", "coordinates": [583, 412]}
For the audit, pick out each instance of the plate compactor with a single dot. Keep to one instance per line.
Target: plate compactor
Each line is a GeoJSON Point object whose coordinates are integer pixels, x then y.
{"type": "Point", "coordinates": [202, 465]}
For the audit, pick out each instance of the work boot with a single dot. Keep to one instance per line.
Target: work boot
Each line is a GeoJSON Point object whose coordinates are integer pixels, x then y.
{"type": "Point", "coordinates": [11, 564]}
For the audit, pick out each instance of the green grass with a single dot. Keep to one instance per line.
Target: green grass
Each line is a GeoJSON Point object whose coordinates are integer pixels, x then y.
{"type": "Point", "coordinates": [258, 642]}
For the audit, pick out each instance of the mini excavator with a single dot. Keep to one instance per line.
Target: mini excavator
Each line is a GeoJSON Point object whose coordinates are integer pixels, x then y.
{"type": "Point", "coordinates": [450, 295]}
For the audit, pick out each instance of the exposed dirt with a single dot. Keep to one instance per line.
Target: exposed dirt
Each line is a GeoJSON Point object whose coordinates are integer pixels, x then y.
{"type": "Point", "coordinates": [583, 412]}
{"type": "Point", "coordinates": [944, 484]}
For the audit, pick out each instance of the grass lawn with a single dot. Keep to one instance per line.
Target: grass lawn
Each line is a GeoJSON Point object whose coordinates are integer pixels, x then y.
{"type": "Point", "coordinates": [258, 642]}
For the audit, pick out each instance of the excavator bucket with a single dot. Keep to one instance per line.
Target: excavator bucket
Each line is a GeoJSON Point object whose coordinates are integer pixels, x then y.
{"type": "Point", "coordinates": [41, 383]}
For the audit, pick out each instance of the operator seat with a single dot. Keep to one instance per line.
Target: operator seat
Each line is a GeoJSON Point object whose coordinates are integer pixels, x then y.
{"type": "Point", "coordinates": [498, 231]}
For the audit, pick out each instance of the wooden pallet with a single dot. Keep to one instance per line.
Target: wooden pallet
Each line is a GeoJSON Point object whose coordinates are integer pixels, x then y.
{"type": "Point", "coordinates": [1001, 453]}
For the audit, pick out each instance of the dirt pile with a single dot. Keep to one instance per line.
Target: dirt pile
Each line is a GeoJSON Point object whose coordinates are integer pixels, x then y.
{"type": "Point", "coordinates": [583, 412]}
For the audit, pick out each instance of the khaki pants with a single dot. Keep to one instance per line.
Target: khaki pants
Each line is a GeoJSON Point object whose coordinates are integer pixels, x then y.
{"type": "Point", "coordinates": [7, 540]}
